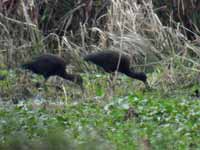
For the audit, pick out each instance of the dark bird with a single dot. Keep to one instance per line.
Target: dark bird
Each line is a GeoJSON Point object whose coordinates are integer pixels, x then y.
{"type": "Point", "coordinates": [51, 65]}
{"type": "Point", "coordinates": [112, 61]}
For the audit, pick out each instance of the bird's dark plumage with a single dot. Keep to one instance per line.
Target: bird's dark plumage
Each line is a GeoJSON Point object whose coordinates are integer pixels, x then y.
{"type": "Point", "coordinates": [112, 61]}
{"type": "Point", "coordinates": [50, 65]}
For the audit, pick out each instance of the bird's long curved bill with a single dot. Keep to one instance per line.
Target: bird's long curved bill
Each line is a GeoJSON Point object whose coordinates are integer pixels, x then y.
{"type": "Point", "coordinates": [147, 85]}
{"type": "Point", "coordinates": [82, 88]}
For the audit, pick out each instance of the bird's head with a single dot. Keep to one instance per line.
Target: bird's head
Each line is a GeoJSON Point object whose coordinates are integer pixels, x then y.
{"type": "Point", "coordinates": [143, 78]}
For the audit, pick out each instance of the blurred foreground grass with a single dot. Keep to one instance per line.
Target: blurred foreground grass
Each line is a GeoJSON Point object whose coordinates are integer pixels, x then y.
{"type": "Point", "coordinates": [66, 118]}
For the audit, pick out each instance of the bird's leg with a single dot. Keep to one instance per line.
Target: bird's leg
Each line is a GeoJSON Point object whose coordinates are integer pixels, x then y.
{"type": "Point", "coordinates": [110, 83]}
{"type": "Point", "coordinates": [24, 77]}
{"type": "Point", "coordinates": [45, 85]}
{"type": "Point", "coordinates": [111, 80]}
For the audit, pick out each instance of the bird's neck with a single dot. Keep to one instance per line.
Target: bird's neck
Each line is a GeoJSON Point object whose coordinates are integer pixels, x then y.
{"type": "Point", "coordinates": [67, 76]}
{"type": "Point", "coordinates": [133, 74]}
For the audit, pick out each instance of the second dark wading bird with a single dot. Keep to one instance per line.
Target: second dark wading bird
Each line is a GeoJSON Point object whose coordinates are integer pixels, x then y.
{"type": "Point", "coordinates": [51, 65]}
{"type": "Point", "coordinates": [112, 61]}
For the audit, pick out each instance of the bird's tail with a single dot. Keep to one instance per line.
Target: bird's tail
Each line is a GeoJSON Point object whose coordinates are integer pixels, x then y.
{"type": "Point", "coordinates": [24, 66]}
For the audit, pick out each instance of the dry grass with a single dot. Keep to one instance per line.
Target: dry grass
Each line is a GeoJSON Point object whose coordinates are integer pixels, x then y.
{"type": "Point", "coordinates": [129, 27]}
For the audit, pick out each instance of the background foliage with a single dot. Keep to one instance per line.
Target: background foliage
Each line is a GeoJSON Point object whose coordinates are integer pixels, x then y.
{"type": "Point", "coordinates": [162, 38]}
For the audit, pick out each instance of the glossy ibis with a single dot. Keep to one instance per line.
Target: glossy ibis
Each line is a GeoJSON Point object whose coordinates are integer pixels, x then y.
{"type": "Point", "coordinates": [112, 61]}
{"type": "Point", "coordinates": [50, 65]}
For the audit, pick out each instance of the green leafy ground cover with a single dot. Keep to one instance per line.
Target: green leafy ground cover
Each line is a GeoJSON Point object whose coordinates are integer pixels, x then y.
{"type": "Point", "coordinates": [96, 120]}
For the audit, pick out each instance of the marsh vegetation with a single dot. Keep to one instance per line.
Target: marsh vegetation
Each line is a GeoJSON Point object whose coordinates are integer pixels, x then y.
{"type": "Point", "coordinates": [161, 39]}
